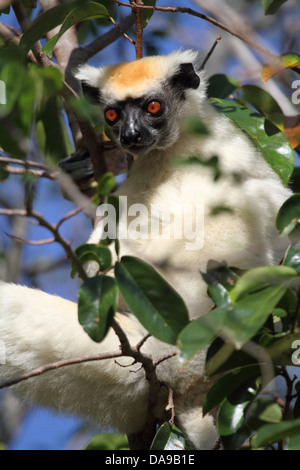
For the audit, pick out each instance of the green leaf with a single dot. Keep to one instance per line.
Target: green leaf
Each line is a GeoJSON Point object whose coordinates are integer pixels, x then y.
{"type": "Point", "coordinates": [152, 300]}
{"type": "Point", "coordinates": [110, 441]}
{"type": "Point", "coordinates": [271, 6]}
{"type": "Point", "coordinates": [263, 410]}
{"type": "Point", "coordinates": [146, 14]}
{"type": "Point", "coordinates": [258, 278]}
{"type": "Point", "coordinates": [293, 442]}
{"type": "Point", "coordinates": [200, 332]}
{"type": "Point", "coordinates": [220, 280]}
{"type": "Point", "coordinates": [91, 252]}
{"type": "Point", "coordinates": [168, 437]}
{"type": "Point", "coordinates": [45, 22]}
{"type": "Point", "coordinates": [97, 304]}
{"type": "Point", "coordinates": [276, 432]}
{"type": "Point", "coordinates": [216, 290]}
{"type": "Point", "coordinates": [85, 11]}
{"type": "Point", "coordinates": [288, 216]}
{"type": "Point", "coordinates": [244, 318]}
{"type": "Point", "coordinates": [221, 86]}
{"type": "Point", "coordinates": [292, 257]}
{"type": "Point", "coordinates": [231, 413]}
{"type": "Point", "coordinates": [264, 103]}
{"type": "Point", "coordinates": [226, 385]}
{"type": "Point", "coordinates": [106, 184]}
{"type": "Point", "coordinates": [275, 149]}
{"type": "Point", "coordinates": [13, 74]}
{"type": "Point", "coordinates": [283, 62]}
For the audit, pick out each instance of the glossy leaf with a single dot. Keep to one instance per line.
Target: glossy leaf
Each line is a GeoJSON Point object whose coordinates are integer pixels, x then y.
{"type": "Point", "coordinates": [288, 216]}
{"type": "Point", "coordinates": [227, 384]}
{"type": "Point", "coordinates": [263, 410]}
{"type": "Point", "coordinates": [97, 303]}
{"type": "Point", "coordinates": [152, 300]}
{"type": "Point", "coordinates": [264, 103]}
{"type": "Point", "coordinates": [270, 433]}
{"type": "Point", "coordinates": [221, 86]}
{"type": "Point", "coordinates": [168, 437]}
{"type": "Point", "coordinates": [91, 252]}
{"type": "Point", "coordinates": [216, 290]}
{"type": "Point", "coordinates": [146, 14]}
{"type": "Point", "coordinates": [45, 22]}
{"type": "Point", "coordinates": [292, 257]}
{"type": "Point", "coordinates": [284, 61]}
{"type": "Point", "coordinates": [275, 149]}
{"type": "Point", "coordinates": [200, 332]}
{"type": "Point", "coordinates": [231, 413]}
{"type": "Point", "coordinates": [82, 12]}
{"type": "Point", "coordinates": [258, 278]}
{"type": "Point", "coordinates": [271, 6]}
{"type": "Point", "coordinates": [244, 318]}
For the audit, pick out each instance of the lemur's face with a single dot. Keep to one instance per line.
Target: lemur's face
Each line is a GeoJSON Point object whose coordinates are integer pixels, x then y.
{"type": "Point", "coordinates": [141, 100]}
{"type": "Point", "coordinates": [140, 124]}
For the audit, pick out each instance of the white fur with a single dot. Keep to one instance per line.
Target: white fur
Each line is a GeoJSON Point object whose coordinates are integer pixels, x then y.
{"type": "Point", "coordinates": [37, 328]}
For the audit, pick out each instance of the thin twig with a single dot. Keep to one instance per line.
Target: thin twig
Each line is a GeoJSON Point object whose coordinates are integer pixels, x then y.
{"type": "Point", "coordinates": [31, 242]}
{"type": "Point", "coordinates": [170, 405]}
{"type": "Point", "coordinates": [210, 52]}
{"type": "Point", "coordinates": [27, 163]}
{"type": "Point", "coordinates": [54, 230]}
{"type": "Point", "coordinates": [121, 32]}
{"type": "Point", "coordinates": [21, 171]}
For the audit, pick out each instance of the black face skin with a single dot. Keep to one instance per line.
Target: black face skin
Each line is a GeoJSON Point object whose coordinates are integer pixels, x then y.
{"type": "Point", "coordinates": [135, 128]}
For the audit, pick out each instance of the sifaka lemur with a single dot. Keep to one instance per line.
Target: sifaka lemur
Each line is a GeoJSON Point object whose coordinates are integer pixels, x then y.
{"type": "Point", "coordinates": [146, 104]}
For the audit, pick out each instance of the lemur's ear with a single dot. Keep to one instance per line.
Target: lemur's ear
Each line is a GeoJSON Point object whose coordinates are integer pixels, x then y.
{"type": "Point", "coordinates": [186, 77]}
{"type": "Point", "coordinates": [90, 77]}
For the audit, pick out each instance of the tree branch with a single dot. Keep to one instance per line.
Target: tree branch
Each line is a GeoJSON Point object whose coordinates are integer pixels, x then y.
{"type": "Point", "coordinates": [138, 26]}
{"type": "Point", "coordinates": [28, 212]}
{"type": "Point", "coordinates": [220, 25]}
{"type": "Point", "coordinates": [58, 365]}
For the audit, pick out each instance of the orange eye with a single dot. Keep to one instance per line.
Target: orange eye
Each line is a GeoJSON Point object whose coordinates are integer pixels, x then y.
{"type": "Point", "coordinates": [111, 115]}
{"type": "Point", "coordinates": [154, 107]}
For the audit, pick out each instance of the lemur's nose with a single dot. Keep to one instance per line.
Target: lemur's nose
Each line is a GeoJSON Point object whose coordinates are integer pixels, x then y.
{"type": "Point", "coordinates": [130, 136]}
